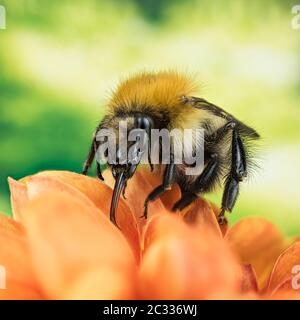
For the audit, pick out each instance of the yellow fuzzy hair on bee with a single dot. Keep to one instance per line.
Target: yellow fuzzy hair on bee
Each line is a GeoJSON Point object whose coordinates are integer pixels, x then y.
{"type": "Point", "coordinates": [161, 92]}
{"type": "Point", "coordinates": [158, 89]}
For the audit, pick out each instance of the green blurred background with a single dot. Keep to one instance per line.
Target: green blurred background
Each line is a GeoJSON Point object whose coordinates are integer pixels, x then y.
{"type": "Point", "coordinates": [60, 59]}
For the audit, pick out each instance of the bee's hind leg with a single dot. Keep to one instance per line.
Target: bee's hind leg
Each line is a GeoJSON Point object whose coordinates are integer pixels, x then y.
{"type": "Point", "coordinates": [236, 174]}
{"type": "Point", "coordinates": [209, 176]}
{"type": "Point", "coordinates": [168, 180]}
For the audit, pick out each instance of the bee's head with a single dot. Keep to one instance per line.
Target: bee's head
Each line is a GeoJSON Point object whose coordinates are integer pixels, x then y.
{"type": "Point", "coordinates": [131, 139]}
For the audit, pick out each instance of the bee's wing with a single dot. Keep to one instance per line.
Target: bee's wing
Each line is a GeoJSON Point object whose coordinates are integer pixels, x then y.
{"type": "Point", "coordinates": [219, 112]}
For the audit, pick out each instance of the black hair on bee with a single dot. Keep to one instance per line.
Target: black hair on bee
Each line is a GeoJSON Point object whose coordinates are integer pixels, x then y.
{"type": "Point", "coordinates": [159, 100]}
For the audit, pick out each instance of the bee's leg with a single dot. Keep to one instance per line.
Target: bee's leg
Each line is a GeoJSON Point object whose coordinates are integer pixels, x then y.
{"type": "Point", "coordinates": [201, 185]}
{"type": "Point", "coordinates": [220, 133]}
{"type": "Point", "coordinates": [237, 172]}
{"type": "Point", "coordinates": [149, 152]}
{"type": "Point", "coordinates": [90, 158]}
{"type": "Point", "coordinates": [98, 170]}
{"type": "Point", "coordinates": [98, 166]}
{"type": "Point", "coordinates": [168, 180]}
{"type": "Point", "coordinates": [145, 122]}
{"type": "Point", "coordinates": [186, 199]}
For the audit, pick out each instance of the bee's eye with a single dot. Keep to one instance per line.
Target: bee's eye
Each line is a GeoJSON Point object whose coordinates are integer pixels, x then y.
{"type": "Point", "coordinates": [143, 123]}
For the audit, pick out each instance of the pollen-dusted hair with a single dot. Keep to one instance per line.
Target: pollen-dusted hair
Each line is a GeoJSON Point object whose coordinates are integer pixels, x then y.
{"type": "Point", "coordinates": [160, 94]}
{"type": "Point", "coordinates": [156, 89]}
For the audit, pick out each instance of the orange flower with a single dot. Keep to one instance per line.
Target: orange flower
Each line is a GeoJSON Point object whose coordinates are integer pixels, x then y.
{"type": "Point", "coordinates": [61, 245]}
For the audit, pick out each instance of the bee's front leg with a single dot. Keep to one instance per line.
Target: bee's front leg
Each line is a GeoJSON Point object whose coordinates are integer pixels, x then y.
{"type": "Point", "coordinates": [90, 158]}
{"type": "Point", "coordinates": [168, 180]}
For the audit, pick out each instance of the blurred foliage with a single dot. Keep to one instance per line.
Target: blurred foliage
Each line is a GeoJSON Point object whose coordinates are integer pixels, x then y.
{"type": "Point", "coordinates": [60, 59]}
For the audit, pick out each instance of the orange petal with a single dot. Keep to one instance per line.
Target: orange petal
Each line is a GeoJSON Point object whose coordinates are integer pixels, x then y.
{"type": "Point", "coordinates": [286, 271]}
{"type": "Point", "coordinates": [100, 195]}
{"type": "Point", "coordinates": [16, 271]}
{"type": "Point", "coordinates": [92, 188]}
{"type": "Point", "coordinates": [249, 281]}
{"type": "Point", "coordinates": [169, 197]}
{"type": "Point", "coordinates": [18, 197]}
{"type": "Point", "coordinates": [138, 188]}
{"type": "Point", "coordinates": [284, 291]}
{"type": "Point", "coordinates": [202, 216]}
{"type": "Point", "coordinates": [157, 228]}
{"type": "Point", "coordinates": [102, 283]}
{"type": "Point", "coordinates": [10, 226]}
{"type": "Point", "coordinates": [217, 210]}
{"type": "Point", "coordinates": [89, 190]}
{"type": "Point", "coordinates": [108, 178]}
{"type": "Point", "coordinates": [182, 263]}
{"type": "Point", "coordinates": [295, 239]}
{"type": "Point", "coordinates": [257, 242]}
{"type": "Point", "coordinates": [68, 239]}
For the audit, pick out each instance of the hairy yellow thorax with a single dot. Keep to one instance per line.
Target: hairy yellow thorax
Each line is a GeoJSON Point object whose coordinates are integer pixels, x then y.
{"type": "Point", "coordinates": [157, 90]}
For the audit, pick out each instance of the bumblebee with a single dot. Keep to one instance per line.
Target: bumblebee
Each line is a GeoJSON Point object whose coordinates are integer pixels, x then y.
{"type": "Point", "coordinates": [166, 100]}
